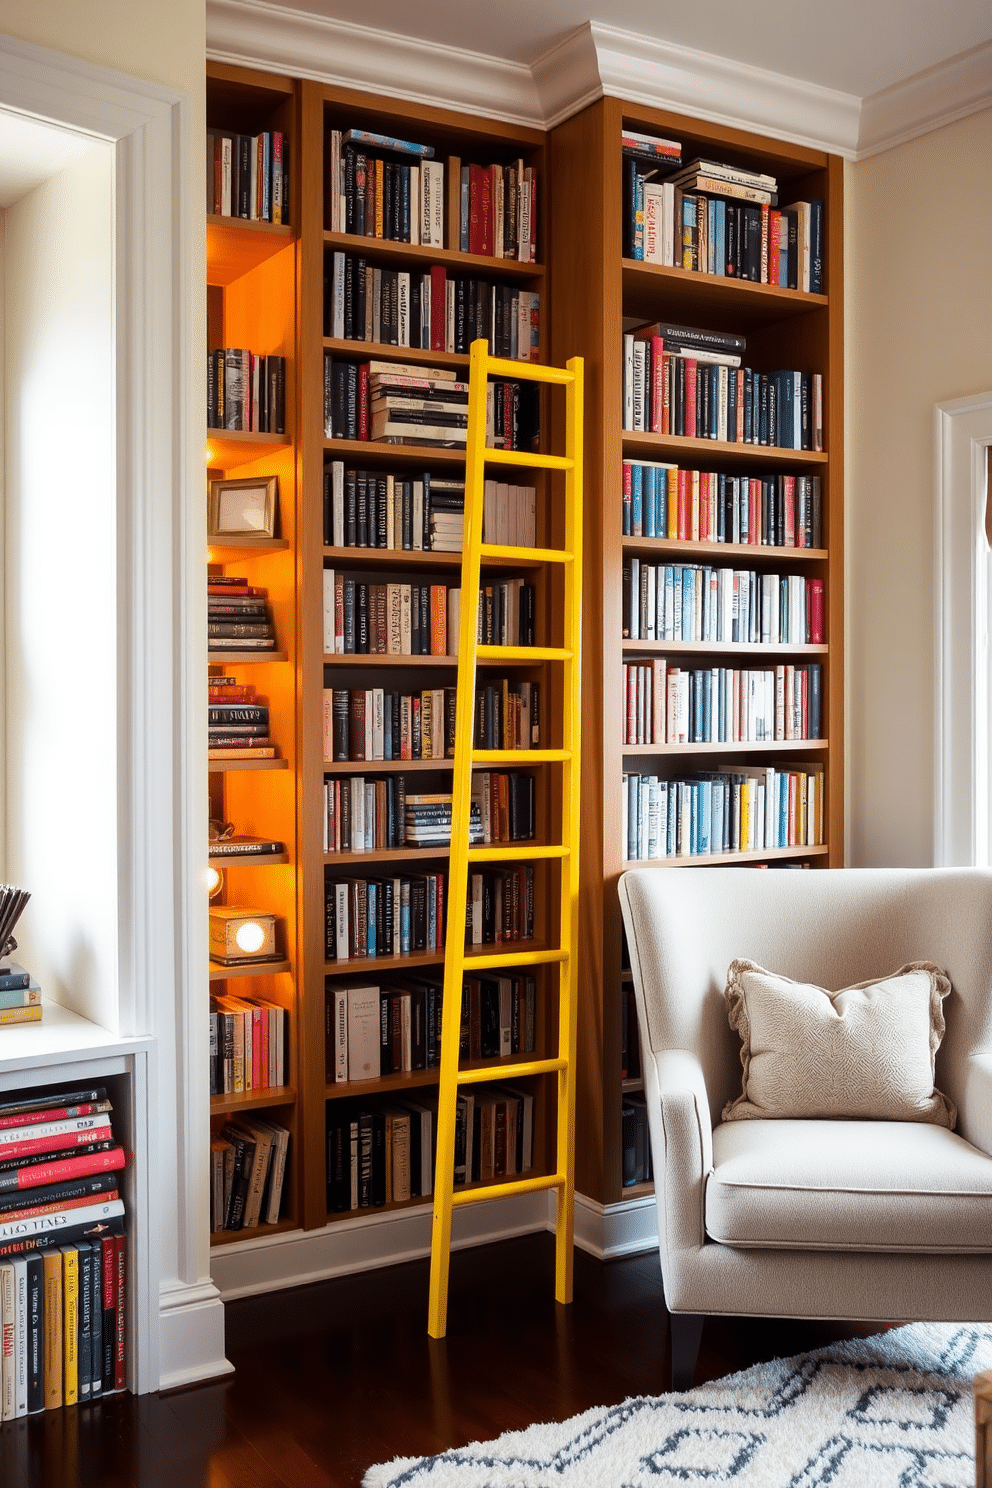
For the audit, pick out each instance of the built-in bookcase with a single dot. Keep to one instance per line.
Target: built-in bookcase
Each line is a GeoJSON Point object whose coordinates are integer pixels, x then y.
{"type": "Point", "coordinates": [600, 294]}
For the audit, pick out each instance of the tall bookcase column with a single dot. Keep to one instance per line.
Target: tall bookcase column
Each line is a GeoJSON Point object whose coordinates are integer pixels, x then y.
{"type": "Point", "coordinates": [600, 295]}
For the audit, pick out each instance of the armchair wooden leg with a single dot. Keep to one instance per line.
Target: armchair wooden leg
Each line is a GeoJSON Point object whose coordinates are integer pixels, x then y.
{"type": "Point", "coordinates": [687, 1330]}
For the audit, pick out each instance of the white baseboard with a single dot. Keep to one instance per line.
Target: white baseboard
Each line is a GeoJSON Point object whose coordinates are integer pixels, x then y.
{"type": "Point", "coordinates": [191, 1335]}
{"type": "Point", "coordinates": [609, 1231]}
{"type": "Point", "coordinates": [350, 1245]}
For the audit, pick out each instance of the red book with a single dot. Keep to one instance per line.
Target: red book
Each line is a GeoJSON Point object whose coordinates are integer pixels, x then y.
{"type": "Point", "coordinates": [691, 367]}
{"type": "Point", "coordinates": [509, 442]}
{"type": "Point", "coordinates": [58, 1206]}
{"type": "Point", "coordinates": [120, 1340]}
{"type": "Point", "coordinates": [52, 1113]}
{"type": "Point", "coordinates": [754, 511]}
{"type": "Point", "coordinates": [631, 704]}
{"type": "Point", "coordinates": [108, 1275]}
{"type": "Point", "coordinates": [816, 612]}
{"type": "Point", "coordinates": [789, 532]}
{"type": "Point", "coordinates": [684, 499]}
{"type": "Point", "coordinates": [439, 306]}
{"type": "Point", "coordinates": [774, 250]}
{"type": "Point", "coordinates": [277, 203]}
{"type": "Point", "coordinates": [62, 1167]}
{"type": "Point", "coordinates": [657, 385]}
{"type": "Point", "coordinates": [764, 244]}
{"type": "Point", "coordinates": [480, 210]}
{"type": "Point", "coordinates": [628, 522]}
{"type": "Point", "coordinates": [739, 437]}
{"type": "Point", "coordinates": [97, 1130]}
{"type": "Point", "coordinates": [363, 400]}
{"type": "Point", "coordinates": [439, 620]}
{"type": "Point", "coordinates": [666, 394]}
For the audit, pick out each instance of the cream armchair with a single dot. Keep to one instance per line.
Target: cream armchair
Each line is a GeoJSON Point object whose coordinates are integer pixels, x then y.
{"type": "Point", "coordinates": [877, 1220]}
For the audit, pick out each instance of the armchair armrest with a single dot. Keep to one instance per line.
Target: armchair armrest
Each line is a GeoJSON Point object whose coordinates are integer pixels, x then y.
{"type": "Point", "coordinates": [679, 1112]}
{"type": "Point", "coordinates": [975, 1106]}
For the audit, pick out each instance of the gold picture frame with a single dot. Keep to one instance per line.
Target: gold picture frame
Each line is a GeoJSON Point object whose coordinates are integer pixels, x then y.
{"type": "Point", "coordinates": [242, 508]}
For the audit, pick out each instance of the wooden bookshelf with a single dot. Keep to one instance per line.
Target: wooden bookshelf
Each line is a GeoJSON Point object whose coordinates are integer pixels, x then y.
{"type": "Point", "coordinates": [598, 294]}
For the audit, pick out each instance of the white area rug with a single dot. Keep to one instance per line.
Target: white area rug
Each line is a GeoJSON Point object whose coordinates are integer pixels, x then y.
{"type": "Point", "coordinates": [894, 1411]}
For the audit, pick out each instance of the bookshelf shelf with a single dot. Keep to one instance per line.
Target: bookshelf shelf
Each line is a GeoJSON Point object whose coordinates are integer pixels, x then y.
{"type": "Point", "coordinates": [375, 452]}
{"type": "Point", "coordinates": [234, 549]}
{"type": "Point", "coordinates": [245, 658]}
{"type": "Point", "coordinates": [236, 246]}
{"type": "Point", "coordinates": [220, 973]}
{"type": "Point", "coordinates": [363, 351]}
{"type": "Point", "coordinates": [250, 1100]}
{"type": "Point", "coordinates": [387, 767]}
{"type": "Point", "coordinates": [249, 860]}
{"type": "Point", "coordinates": [401, 663]}
{"type": "Point", "coordinates": [352, 860]}
{"type": "Point", "coordinates": [227, 448]}
{"type": "Point", "coordinates": [220, 1238]}
{"type": "Point", "coordinates": [227, 767]}
{"type": "Point", "coordinates": [420, 256]}
{"type": "Point", "coordinates": [783, 329]}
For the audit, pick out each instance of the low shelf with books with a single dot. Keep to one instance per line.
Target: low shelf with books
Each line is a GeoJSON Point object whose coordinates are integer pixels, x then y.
{"type": "Point", "coordinates": [749, 304]}
{"type": "Point", "coordinates": [682, 446]}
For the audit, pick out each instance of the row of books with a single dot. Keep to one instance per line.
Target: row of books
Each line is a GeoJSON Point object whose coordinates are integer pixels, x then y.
{"type": "Point", "coordinates": [63, 1251]}
{"type": "Point", "coordinates": [694, 229]}
{"type": "Point", "coordinates": [247, 1045]}
{"type": "Point", "coordinates": [370, 917]}
{"type": "Point", "coordinates": [363, 815]}
{"type": "Point", "coordinates": [429, 311]}
{"type": "Point", "coordinates": [427, 820]}
{"type": "Point", "coordinates": [731, 809]}
{"type": "Point", "coordinates": [381, 187]}
{"type": "Point", "coordinates": [630, 1044]}
{"type": "Point", "coordinates": [635, 1141]}
{"type": "Point", "coordinates": [374, 724]}
{"type": "Point", "coordinates": [247, 1173]}
{"type": "Point", "coordinates": [248, 175]}
{"type": "Point", "coordinates": [661, 500]}
{"type": "Point", "coordinates": [377, 1030]}
{"type": "Point", "coordinates": [246, 391]}
{"type": "Point", "coordinates": [377, 509]}
{"type": "Point", "coordinates": [500, 905]}
{"type": "Point", "coordinates": [389, 619]}
{"type": "Point", "coordinates": [721, 705]}
{"type": "Point", "coordinates": [379, 1155]}
{"type": "Point", "coordinates": [679, 393]}
{"type": "Point", "coordinates": [494, 1133]}
{"type": "Point", "coordinates": [507, 803]}
{"type": "Point", "coordinates": [697, 602]}
{"type": "Point", "coordinates": [512, 408]}
{"type": "Point", "coordinates": [237, 722]}
{"type": "Point", "coordinates": [507, 715]}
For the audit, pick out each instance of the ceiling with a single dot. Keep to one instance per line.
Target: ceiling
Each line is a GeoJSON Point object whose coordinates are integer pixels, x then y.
{"type": "Point", "coordinates": [854, 46]}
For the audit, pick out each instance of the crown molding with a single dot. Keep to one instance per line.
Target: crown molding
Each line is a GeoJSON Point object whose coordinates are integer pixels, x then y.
{"type": "Point", "coordinates": [705, 86]}
{"type": "Point", "coordinates": [275, 38]}
{"type": "Point", "coordinates": [567, 76]}
{"type": "Point", "coordinates": [930, 99]}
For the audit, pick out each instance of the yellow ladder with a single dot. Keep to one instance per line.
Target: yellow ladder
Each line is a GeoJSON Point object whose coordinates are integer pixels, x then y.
{"type": "Point", "coordinates": [569, 556]}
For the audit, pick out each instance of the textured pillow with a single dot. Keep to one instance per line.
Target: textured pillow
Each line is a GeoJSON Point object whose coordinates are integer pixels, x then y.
{"type": "Point", "coordinates": [866, 1052]}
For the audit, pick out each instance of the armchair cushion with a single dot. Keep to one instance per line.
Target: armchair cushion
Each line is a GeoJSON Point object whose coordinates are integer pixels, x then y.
{"type": "Point", "coordinates": [866, 1052]}
{"type": "Point", "coordinates": [856, 1185]}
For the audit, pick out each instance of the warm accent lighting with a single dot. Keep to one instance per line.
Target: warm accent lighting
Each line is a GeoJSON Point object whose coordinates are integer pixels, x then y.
{"type": "Point", "coordinates": [241, 934]}
{"type": "Point", "coordinates": [250, 937]}
{"type": "Point", "coordinates": [215, 881]}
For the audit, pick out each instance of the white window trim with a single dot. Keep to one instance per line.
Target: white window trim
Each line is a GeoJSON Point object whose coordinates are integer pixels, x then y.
{"type": "Point", "coordinates": [962, 607]}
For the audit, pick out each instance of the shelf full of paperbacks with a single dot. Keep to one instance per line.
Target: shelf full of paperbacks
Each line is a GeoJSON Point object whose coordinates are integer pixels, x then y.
{"type": "Point", "coordinates": [248, 175]}
{"type": "Point", "coordinates": [374, 723]}
{"type": "Point", "coordinates": [688, 381]}
{"type": "Point", "coordinates": [731, 809]}
{"type": "Point", "coordinates": [710, 217]}
{"type": "Point", "coordinates": [365, 814]}
{"type": "Point", "coordinates": [381, 187]}
{"type": "Point", "coordinates": [420, 512]}
{"type": "Point", "coordinates": [700, 603]}
{"type": "Point", "coordinates": [430, 311]}
{"type": "Point", "coordinates": [246, 392]}
{"type": "Point", "coordinates": [401, 619]}
{"type": "Point", "coordinates": [389, 403]}
{"type": "Point", "coordinates": [404, 915]}
{"type": "Point", "coordinates": [384, 1152]}
{"type": "Point", "coordinates": [247, 1172]}
{"type": "Point", "coordinates": [63, 1251]}
{"type": "Point", "coordinates": [671, 501]}
{"type": "Point", "coordinates": [667, 704]}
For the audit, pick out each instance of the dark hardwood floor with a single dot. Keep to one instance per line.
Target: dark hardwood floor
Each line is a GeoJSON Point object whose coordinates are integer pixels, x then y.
{"type": "Point", "coordinates": [333, 1377]}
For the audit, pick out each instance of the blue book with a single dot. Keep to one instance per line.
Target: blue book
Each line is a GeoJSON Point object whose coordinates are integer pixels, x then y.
{"type": "Point", "coordinates": [720, 238]}
{"type": "Point", "coordinates": [718, 795]}
{"type": "Point", "coordinates": [369, 141]}
{"type": "Point", "coordinates": [786, 405]}
{"type": "Point", "coordinates": [464, 210]}
{"type": "Point", "coordinates": [663, 809]}
{"type": "Point", "coordinates": [674, 815]}
{"type": "Point", "coordinates": [649, 520]}
{"type": "Point", "coordinates": [688, 603]}
{"type": "Point", "coordinates": [405, 917]}
{"type": "Point", "coordinates": [693, 788]}
{"type": "Point", "coordinates": [637, 500]}
{"type": "Point", "coordinates": [705, 791]}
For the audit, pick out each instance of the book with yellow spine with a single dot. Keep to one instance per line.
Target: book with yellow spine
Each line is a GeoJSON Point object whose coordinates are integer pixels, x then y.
{"type": "Point", "coordinates": [70, 1330]}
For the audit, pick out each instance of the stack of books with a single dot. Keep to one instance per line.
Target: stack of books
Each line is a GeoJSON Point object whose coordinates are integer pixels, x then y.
{"type": "Point", "coordinates": [20, 995]}
{"type": "Point", "coordinates": [428, 820]}
{"type": "Point", "coordinates": [427, 409]}
{"type": "Point", "coordinates": [237, 724]}
{"type": "Point", "coordinates": [63, 1252]}
{"type": "Point", "coordinates": [247, 1171]}
{"type": "Point", "coordinates": [238, 616]}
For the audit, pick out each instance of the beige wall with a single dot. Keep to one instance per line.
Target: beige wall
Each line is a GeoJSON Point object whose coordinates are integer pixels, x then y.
{"type": "Point", "coordinates": [162, 40]}
{"type": "Point", "coordinates": [919, 332]}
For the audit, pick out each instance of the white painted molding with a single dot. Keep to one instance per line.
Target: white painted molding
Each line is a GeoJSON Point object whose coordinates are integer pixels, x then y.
{"type": "Point", "coordinates": [608, 1231]}
{"type": "Point", "coordinates": [192, 1335]}
{"type": "Point", "coordinates": [962, 603]}
{"type": "Point", "coordinates": [937, 96]}
{"type": "Point", "coordinates": [567, 76]}
{"type": "Point", "coordinates": [720, 89]}
{"type": "Point", "coordinates": [363, 1243]}
{"type": "Point", "coordinates": [297, 42]}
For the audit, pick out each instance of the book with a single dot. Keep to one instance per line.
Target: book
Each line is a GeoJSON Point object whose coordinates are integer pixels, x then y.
{"type": "Point", "coordinates": [70, 1323]}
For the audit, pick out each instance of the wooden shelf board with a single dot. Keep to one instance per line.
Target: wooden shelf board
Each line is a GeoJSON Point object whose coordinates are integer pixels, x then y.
{"type": "Point", "coordinates": [250, 860]}
{"type": "Point", "coordinates": [237, 549]}
{"type": "Point", "coordinates": [371, 451]}
{"type": "Point", "coordinates": [257, 1232]}
{"type": "Point", "coordinates": [382, 1085]}
{"type": "Point", "coordinates": [363, 351]}
{"type": "Point", "coordinates": [717, 452]}
{"type": "Point", "coordinates": [220, 973]}
{"type": "Point", "coordinates": [361, 659]}
{"type": "Point", "coordinates": [236, 246]}
{"type": "Point", "coordinates": [416, 253]}
{"type": "Point", "coordinates": [388, 767]}
{"type": "Point", "coordinates": [696, 548]}
{"type": "Point", "coordinates": [223, 767]}
{"type": "Point", "coordinates": [629, 1085]}
{"type": "Point", "coordinates": [729, 859]}
{"type": "Point", "coordinates": [248, 1100]}
{"type": "Point", "coordinates": [720, 648]}
{"type": "Point", "coordinates": [244, 658]}
{"type": "Point", "coordinates": [353, 860]}
{"type": "Point", "coordinates": [228, 447]}
{"type": "Point", "coordinates": [427, 958]}
{"type": "Point", "coordinates": [771, 746]}
{"type": "Point", "coordinates": [401, 558]}
{"type": "Point", "coordinates": [637, 1191]}
{"type": "Point", "coordinates": [648, 287]}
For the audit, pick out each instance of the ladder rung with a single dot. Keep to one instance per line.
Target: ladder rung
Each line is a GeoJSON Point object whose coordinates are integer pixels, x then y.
{"type": "Point", "coordinates": [526, 459]}
{"type": "Point", "coordinates": [523, 653]}
{"type": "Point", "coordinates": [508, 852]}
{"type": "Point", "coordinates": [520, 756]}
{"type": "Point", "coordinates": [515, 1071]}
{"type": "Point", "coordinates": [505, 1190]}
{"type": "Point", "coordinates": [527, 555]}
{"type": "Point", "coordinates": [528, 371]}
{"type": "Point", "coordinates": [513, 957]}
